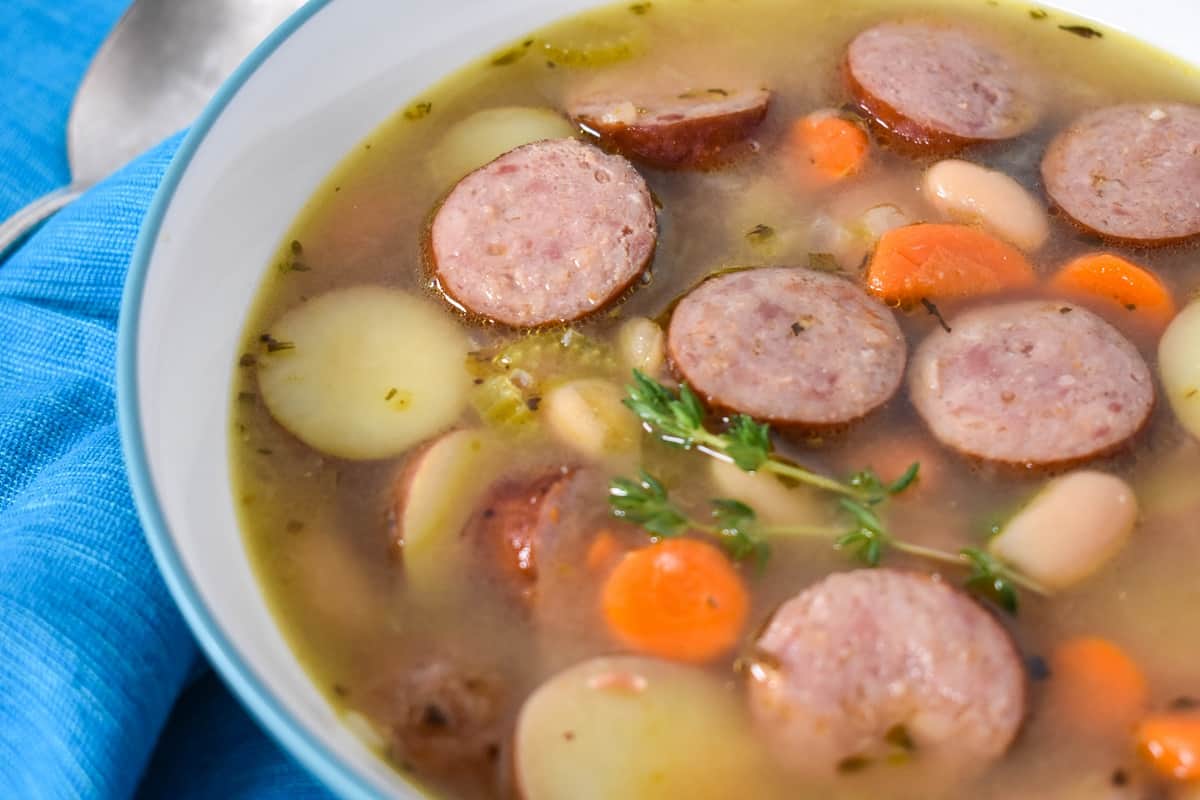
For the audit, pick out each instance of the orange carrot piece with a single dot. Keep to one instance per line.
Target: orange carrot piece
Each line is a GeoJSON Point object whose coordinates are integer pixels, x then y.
{"type": "Point", "coordinates": [1171, 743]}
{"type": "Point", "coordinates": [602, 551]}
{"type": "Point", "coordinates": [1118, 284]}
{"type": "Point", "coordinates": [833, 147]}
{"type": "Point", "coordinates": [1098, 687]}
{"type": "Point", "coordinates": [935, 261]}
{"type": "Point", "coordinates": [679, 599]}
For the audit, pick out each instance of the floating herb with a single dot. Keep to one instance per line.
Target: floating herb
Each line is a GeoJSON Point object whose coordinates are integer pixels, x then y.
{"type": "Point", "coordinates": [418, 110]}
{"type": "Point", "coordinates": [274, 345]}
{"type": "Point", "coordinates": [1037, 13]}
{"type": "Point", "coordinates": [646, 503]}
{"type": "Point", "coordinates": [853, 764]}
{"type": "Point", "coordinates": [824, 262]}
{"type": "Point", "coordinates": [1081, 30]}
{"type": "Point", "coordinates": [678, 419]}
{"type": "Point", "coordinates": [989, 579]}
{"type": "Point", "coordinates": [899, 737]}
{"type": "Point", "coordinates": [935, 313]}
{"type": "Point", "coordinates": [512, 55]}
{"type": "Point", "coordinates": [760, 234]}
{"type": "Point", "coordinates": [641, 8]}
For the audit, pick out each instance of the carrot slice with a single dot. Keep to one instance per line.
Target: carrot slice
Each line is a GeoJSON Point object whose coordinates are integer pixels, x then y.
{"type": "Point", "coordinates": [1171, 743]}
{"type": "Point", "coordinates": [1117, 283]}
{"type": "Point", "coordinates": [833, 147]}
{"type": "Point", "coordinates": [679, 599]}
{"type": "Point", "coordinates": [935, 261]}
{"type": "Point", "coordinates": [1097, 685]}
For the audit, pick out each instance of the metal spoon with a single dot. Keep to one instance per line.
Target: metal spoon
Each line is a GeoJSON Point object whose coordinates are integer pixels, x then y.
{"type": "Point", "coordinates": [152, 76]}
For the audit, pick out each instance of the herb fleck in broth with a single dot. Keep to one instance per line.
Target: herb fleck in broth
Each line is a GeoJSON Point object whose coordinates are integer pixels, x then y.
{"type": "Point", "coordinates": [320, 528]}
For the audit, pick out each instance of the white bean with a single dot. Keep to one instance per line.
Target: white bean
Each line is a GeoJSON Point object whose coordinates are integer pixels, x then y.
{"type": "Point", "coordinates": [969, 193]}
{"type": "Point", "coordinates": [1070, 529]}
{"type": "Point", "coordinates": [1179, 364]}
{"type": "Point", "coordinates": [641, 345]}
{"type": "Point", "coordinates": [588, 416]}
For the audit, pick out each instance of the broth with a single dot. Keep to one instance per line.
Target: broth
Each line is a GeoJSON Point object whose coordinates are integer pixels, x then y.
{"type": "Point", "coordinates": [317, 527]}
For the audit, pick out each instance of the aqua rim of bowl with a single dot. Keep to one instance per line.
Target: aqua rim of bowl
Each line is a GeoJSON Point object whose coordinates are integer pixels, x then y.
{"type": "Point", "coordinates": [246, 684]}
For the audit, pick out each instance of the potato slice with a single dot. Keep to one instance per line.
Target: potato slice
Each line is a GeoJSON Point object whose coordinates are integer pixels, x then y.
{"type": "Point", "coordinates": [588, 416]}
{"type": "Point", "coordinates": [1070, 529]}
{"type": "Point", "coordinates": [1179, 364]}
{"type": "Point", "coordinates": [485, 135]}
{"type": "Point", "coordinates": [774, 503]}
{"type": "Point", "coordinates": [364, 373]}
{"type": "Point", "coordinates": [637, 729]}
{"type": "Point", "coordinates": [433, 498]}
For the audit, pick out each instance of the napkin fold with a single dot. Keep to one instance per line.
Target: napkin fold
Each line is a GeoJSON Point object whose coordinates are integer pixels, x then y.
{"type": "Point", "coordinates": [98, 697]}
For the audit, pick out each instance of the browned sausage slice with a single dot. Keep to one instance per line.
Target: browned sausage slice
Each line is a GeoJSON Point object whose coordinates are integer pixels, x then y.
{"type": "Point", "coordinates": [549, 232]}
{"type": "Point", "coordinates": [789, 345]}
{"type": "Point", "coordinates": [1031, 383]}
{"type": "Point", "coordinates": [688, 129]}
{"type": "Point", "coordinates": [444, 720]}
{"type": "Point", "coordinates": [1129, 173]}
{"type": "Point", "coordinates": [936, 89]}
{"type": "Point", "coordinates": [514, 518]}
{"type": "Point", "coordinates": [863, 659]}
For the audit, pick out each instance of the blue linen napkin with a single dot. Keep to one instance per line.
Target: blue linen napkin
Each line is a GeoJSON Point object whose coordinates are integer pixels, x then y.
{"type": "Point", "coordinates": [97, 691]}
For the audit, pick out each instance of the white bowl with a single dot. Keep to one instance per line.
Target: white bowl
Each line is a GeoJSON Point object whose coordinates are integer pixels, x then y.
{"type": "Point", "coordinates": [287, 117]}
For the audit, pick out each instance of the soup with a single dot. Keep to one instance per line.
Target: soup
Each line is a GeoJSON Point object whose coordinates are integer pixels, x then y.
{"type": "Point", "coordinates": [707, 398]}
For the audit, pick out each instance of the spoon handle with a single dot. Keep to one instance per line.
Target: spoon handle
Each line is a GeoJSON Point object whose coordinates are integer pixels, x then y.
{"type": "Point", "coordinates": [13, 229]}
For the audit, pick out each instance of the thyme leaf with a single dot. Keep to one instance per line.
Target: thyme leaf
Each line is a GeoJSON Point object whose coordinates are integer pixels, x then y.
{"type": "Point", "coordinates": [646, 503]}
{"type": "Point", "coordinates": [990, 579]}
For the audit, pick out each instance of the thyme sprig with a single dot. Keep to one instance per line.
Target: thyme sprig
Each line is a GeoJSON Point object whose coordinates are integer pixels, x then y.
{"type": "Point", "coordinates": [646, 502]}
{"type": "Point", "coordinates": [677, 418]}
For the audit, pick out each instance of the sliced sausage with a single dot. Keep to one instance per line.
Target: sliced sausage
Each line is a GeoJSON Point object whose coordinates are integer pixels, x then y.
{"type": "Point", "coordinates": [1129, 173]}
{"type": "Point", "coordinates": [549, 232]}
{"type": "Point", "coordinates": [1031, 383]}
{"type": "Point", "coordinates": [444, 720]}
{"type": "Point", "coordinates": [678, 130]}
{"type": "Point", "coordinates": [871, 662]}
{"type": "Point", "coordinates": [936, 89]}
{"type": "Point", "coordinates": [789, 345]}
{"type": "Point", "coordinates": [515, 516]}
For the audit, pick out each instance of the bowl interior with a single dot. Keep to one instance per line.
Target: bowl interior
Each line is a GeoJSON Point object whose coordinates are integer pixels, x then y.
{"type": "Point", "coordinates": [319, 85]}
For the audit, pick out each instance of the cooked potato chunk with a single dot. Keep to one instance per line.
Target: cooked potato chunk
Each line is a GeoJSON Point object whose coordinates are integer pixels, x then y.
{"type": "Point", "coordinates": [1070, 529]}
{"type": "Point", "coordinates": [588, 415]}
{"type": "Point", "coordinates": [637, 729]}
{"type": "Point", "coordinates": [364, 373]}
{"type": "Point", "coordinates": [1179, 363]}
{"type": "Point", "coordinates": [432, 500]}
{"type": "Point", "coordinates": [487, 134]}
